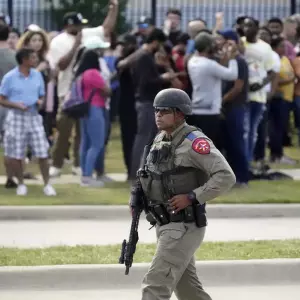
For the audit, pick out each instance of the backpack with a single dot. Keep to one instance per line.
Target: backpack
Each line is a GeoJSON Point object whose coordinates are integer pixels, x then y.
{"type": "Point", "coordinates": [75, 105]}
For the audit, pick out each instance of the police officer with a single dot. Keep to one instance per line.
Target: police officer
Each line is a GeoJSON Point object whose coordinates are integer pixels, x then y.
{"type": "Point", "coordinates": [184, 171]}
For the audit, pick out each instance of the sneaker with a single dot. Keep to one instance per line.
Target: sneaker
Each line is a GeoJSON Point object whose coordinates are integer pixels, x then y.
{"type": "Point", "coordinates": [22, 190]}
{"type": "Point", "coordinates": [104, 179]}
{"type": "Point", "coordinates": [49, 190]}
{"type": "Point", "coordinates": [54, 172]}
{"type": "Point", "coordinates": [285, 160]}
{"type": "Point", "coordinates": [10, 184]}
{"type": "Point", "coordinates": [91, 182]}
{"type": "Point", "coordinates": [76, 171]}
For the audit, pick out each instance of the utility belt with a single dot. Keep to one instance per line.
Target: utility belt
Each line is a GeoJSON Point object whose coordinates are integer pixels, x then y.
{"type": "Point", "coordinates": [161, 215]}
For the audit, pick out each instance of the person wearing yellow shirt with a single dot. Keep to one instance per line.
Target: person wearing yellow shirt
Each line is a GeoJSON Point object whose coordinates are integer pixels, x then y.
{"type": "Point", "coordinates": [281, 103]}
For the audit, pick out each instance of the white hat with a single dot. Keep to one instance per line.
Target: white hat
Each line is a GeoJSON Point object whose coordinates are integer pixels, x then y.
{"type": "Point", "coordinates": [95, 42]}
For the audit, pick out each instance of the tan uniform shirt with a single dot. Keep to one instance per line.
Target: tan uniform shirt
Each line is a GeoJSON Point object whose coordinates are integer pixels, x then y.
{"type": "Point", "coordinates": [198, 151]}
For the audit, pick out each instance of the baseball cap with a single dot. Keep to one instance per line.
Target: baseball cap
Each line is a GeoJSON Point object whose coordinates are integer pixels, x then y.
{"type": "Point", "coordinates": [240, 19]}
{"type": "Point", "coordinates": [144, 22]}
{"type": "Point", "coordinates": [95, 42]}
{"type": "Point", "coordinates": [229, 34]}
{"type": "Point", "coordinates": [74, 18]}
{"type": "Point", "coordinates": [127, 39]}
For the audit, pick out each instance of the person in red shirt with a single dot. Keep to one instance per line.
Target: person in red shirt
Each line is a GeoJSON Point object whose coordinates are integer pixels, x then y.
{"type": "Point", "coordinates": [178, 55]}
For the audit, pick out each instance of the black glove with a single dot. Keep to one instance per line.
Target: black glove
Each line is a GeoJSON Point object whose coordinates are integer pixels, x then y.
{"type": "Point", "coordinates": [254, 87]}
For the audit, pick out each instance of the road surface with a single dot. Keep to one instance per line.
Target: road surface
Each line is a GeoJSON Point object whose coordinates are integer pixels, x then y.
{"type": "Point", "coordinates": [28, 234]}
{"type": "Point", "coordinates": [291, 292]}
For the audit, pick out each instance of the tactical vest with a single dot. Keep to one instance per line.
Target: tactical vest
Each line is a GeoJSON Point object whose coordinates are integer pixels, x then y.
{"type": "Point", "coordinates": [165, 179]}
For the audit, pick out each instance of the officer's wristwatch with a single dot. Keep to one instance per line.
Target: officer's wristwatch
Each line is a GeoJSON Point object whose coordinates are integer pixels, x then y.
{"type": "Point", "coordinates": [192, 197]}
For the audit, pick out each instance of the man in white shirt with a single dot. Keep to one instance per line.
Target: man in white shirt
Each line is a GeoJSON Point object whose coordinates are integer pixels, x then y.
{"type": "Point", "coordinates": [206, 77]}
{"type": "Point", "coordinates": [260, 148]}
{"type": "Point", "coordinates": [62, 55]}
{"type": "Point", "coordinates": [258, 55]}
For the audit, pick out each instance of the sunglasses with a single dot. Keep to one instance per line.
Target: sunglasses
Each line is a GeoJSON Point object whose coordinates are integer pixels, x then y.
{"type": "Point", "coordinates": [164, 110]}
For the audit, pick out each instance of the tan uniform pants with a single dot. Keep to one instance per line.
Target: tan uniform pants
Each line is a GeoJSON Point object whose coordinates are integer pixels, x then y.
{"type": "Point", "coordinates": [173, 266]}
{"type": "Point", "coordinates": [61, 146]}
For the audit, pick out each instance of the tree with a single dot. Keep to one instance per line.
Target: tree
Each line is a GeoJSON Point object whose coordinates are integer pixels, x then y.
{"type": "Point", "coordinates": [93, 10]}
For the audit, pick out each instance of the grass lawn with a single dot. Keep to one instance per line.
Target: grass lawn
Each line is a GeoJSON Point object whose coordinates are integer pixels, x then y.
{"type": "Point", "coordinates": [145, 252]}
{"type": "Point", "coordinates": [118, 193]}
{"type": "Point", "coordinates": [113, 163]}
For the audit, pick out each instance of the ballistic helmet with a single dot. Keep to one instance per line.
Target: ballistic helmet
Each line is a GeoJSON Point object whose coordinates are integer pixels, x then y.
{"type": "Point", "coordinates": [174, 98]}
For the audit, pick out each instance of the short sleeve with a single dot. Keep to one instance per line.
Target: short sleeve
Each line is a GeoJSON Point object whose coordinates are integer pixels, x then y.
{"type": "Point", "coordinates": [269, 59]}
{"type": "Point", "coordinates": [94, 31]}
{"type": "Point", "coordinates": [93, 79]}
{"type": "Point", "coordinates": [5, 87]}
{"type": "Point", "coordinates": [57, 51]}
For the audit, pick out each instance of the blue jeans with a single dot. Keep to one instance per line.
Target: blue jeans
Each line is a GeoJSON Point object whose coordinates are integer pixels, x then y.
{"type": "Point", "coordinates": [252, 121]}
{"type": "Point", "coordinates": [92, 139]}
{"type": "Point", "coordinates": [297, 115]}
{"type": "Point", "coordinates": [235, 140]}
{"type": "Point", "coordinates": [99, 167]}
{"type": "Point", "coordinates": [277, 115]}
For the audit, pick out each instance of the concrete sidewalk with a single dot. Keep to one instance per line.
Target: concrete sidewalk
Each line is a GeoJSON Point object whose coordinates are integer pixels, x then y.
{"type": "Point", "coordinates": [245, 292]}
{"type": "Point", "coordinates": [106, 212]}
{"type": "Point", "coordinates": [211, 273]}
{"type": "Point", "coordinates": [36, 234]}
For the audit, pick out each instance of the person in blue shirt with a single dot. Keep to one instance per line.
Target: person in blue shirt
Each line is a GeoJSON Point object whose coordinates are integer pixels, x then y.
{"type": "Point", "coordinates": [22, 91]}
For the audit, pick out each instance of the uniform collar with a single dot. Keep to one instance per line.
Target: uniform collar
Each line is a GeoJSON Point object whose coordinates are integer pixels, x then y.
{"type": "Point", "coordinates": [177, 130]}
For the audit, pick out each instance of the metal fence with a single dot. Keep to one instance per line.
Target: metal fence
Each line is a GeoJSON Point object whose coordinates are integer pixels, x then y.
{"type": "Point", "coordinates": [26, 12]}
{"type": "Point", "coordinates": [206, 9]}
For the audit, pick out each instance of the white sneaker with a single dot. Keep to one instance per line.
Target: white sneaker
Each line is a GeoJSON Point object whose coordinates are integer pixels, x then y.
{"type": "Point", "coordinates": [104, 179]}
{"type": "Point", "coordinates": [76, 171]}
{"type": "Point", "coordinates": [54, 172]}
{"type": "Point", "coordinates": [91, 182]}
{"type": "Point", "coordinates": [22, 190]}
{"type": "Point", "coordinates": [49, 190]}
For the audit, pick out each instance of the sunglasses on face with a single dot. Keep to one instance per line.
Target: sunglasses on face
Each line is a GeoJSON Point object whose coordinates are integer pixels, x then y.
{"type": "Point", "coordinates": [164, 110]}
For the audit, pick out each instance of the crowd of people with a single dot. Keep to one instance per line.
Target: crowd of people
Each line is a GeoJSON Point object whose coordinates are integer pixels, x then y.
{"type": "Point", "coordinates": [244, 83]}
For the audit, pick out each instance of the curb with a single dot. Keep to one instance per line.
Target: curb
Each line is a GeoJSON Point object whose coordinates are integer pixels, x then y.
{"type": "Point", "coordinates": [217, 273]}
{"type": "Point", "coordinates": [110, 212]}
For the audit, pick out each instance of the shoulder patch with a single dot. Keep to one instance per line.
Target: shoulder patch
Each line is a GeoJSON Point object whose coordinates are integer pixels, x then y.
{"type": "Point", "coordinates": [201, 145]}
{"type": "Point", "coordinates": [191, 136]}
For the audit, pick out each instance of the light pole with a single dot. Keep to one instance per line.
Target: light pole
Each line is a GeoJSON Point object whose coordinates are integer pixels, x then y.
{"type": "Point", "coordinates": [10, 11]}
{"type": "Point", "coordinates": [153, 11]}
{"type": "Point", "coordinates": [293, 6]}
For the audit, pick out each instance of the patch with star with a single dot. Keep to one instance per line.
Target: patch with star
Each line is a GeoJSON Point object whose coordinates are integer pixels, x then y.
{"type": "Point", "coordinates": [201, 146]}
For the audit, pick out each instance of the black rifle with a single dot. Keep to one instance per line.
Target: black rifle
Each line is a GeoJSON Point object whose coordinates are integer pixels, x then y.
{"type": "Point", "coordinates": [138, 203]}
